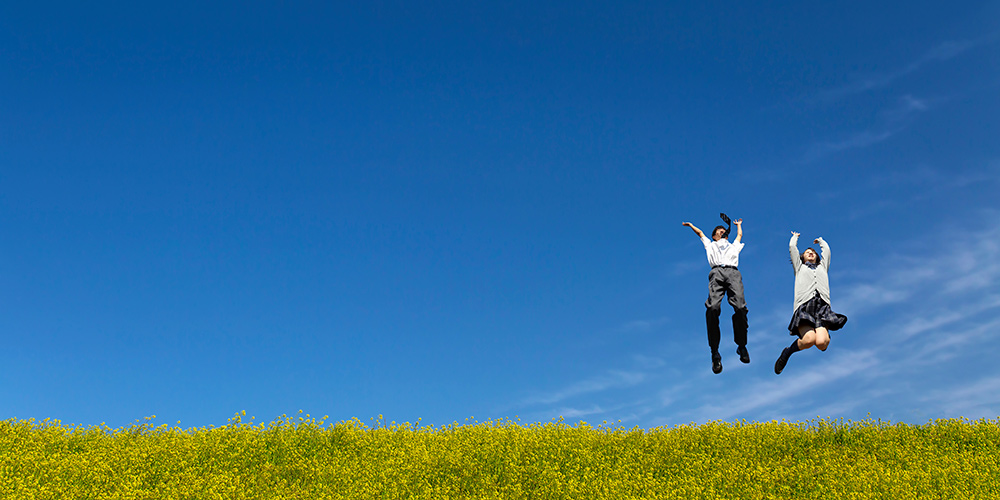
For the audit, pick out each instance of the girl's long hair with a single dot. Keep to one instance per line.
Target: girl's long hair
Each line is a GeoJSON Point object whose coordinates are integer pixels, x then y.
{"type": "Point", "coordinates": [802, 256]}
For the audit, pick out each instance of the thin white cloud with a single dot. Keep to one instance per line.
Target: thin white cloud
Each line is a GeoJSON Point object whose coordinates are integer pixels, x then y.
{"type": "Point", "coordinates": [686, 266]}
{"type": "Point", "coordinates": [944, 51]}
{"type": "Point", "coordinates": [832, 409]}
{"type": "Point", "coordinates": [675, 393]}
{"type": "Point", "coordinates": [648, 362]}
{"type": "Point", "coordinates": [967, 265]}
{"type": "Point", "coordinates": [574, 413]}
{"type": "Point", "coordinates": [775, 392]}
{"type": "Point", "coordinates": [621, 413]}
{"type": "Point", "coordinates": [911, 103]}
{"type": "Point", "coordinates": [916, 314]}
{"type": "Point", "coordinates": [642, 325]}
{"type": "Point", "coordinates": [914, 318]}
{"type": "Point", "coordinates": [980, 399]}
{"type": "Point", "coordinates": [893, 121]}
{"type": "Point", "coordinates": [916, 175]}
{"type": "Point", "coordinates": [949, 343]}
{"type": "Point", "coordinates": [936, 179]}
{"type": "Point", "coordinates": [896, 119]}
{"type": "Point", "coordinates": [858, 140]}
{"type": "Point", "coordinates": [928, 323]}
{"type": "Point", "coordinates": [611, 380]}
{"type": "Point", "coordinates": [794, 395]}
{"type": "Point", "coordinates": [921, 183]}
{"type": "Point", "coordinates": [632, 412]}
{"type": "Point", "coordinates": [864, 297]}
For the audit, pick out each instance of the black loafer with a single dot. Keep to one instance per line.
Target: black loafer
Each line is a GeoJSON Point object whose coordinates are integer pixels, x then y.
{"type": "Point", "coordinates": [744, 355]}
{"type": "Point", "coordinates": [780, 363]}
{"type": "Point", "coordinates": [716, 363]}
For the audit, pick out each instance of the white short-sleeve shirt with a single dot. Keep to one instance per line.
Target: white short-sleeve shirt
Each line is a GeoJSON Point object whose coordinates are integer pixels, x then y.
{"type": "Point", "coordinates": [722, 252]}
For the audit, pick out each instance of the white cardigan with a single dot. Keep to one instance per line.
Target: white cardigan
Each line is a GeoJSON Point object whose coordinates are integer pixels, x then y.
{"type": "Point", "coordinates": [809, 280]}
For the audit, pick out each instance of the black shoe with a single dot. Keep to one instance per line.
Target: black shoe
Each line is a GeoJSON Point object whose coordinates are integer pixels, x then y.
{"type": "Point", "coordinates": [716, 363]}
{"type": "Point", "coordinates": [780, 363]}
{"type": "Point", "coordinates": [744, 355]}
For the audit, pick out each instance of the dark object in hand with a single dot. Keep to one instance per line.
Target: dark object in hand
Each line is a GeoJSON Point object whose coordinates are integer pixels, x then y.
{"type": "Point", "coordinates": [729, 224]}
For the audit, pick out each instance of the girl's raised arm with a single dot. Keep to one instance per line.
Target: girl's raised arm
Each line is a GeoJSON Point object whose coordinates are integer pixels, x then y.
{"type": "Point", "coordinates": [793, 252]}
{"type": "Point", "coordinates": [825, 248]}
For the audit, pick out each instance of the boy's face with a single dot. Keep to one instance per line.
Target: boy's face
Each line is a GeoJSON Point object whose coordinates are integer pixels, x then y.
{"type": "Point", "coordinates": [717, 235]}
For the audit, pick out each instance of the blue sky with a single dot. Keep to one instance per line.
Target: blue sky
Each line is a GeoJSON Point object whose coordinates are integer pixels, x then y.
{"type": "Point", "coordinates": [447, 210]}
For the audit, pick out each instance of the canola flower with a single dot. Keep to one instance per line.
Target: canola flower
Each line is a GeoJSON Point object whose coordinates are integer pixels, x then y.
{"type": "Point", "coordinates": [305, 458]}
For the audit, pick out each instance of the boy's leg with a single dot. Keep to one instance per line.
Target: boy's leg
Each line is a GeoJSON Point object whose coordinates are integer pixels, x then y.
{"type": "Point", "coordinates": [735, 296]}
{"type": "Point", "coordinates": [713, 308]}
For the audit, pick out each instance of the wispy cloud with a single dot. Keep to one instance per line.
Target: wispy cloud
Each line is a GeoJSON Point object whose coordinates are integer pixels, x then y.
{"type": "Point", "coordinates": [939, 319]}
{"type": "Point", "coordinates": [610, 380]}
{"type": "Point", "coordinates": [648, 362]}
{"type": "Point", "coordinates": [897, 118]}
{"type": "Point", "coordinates": [980, 399]}
{"type": "Point", "coordinates": [623, 413]}
{"type": "Point", "coordinates": [868, 296]}
{"type": "Point", "coordinates": [919, 182]}
{"type": "Point", "coordinates": [921, 313]}
{"type": "Point", "coordinates": [574, 413]}
{"type": "Point", "coordinates": [642, 325]}
{"type": "Point", "coordinates": [893, 121]}
{"type": "Point", "coordinates": [686, 266]}
{"type": "Point", "coordinates": [967, 266]}
{"type": "Point", "coordinates": [916, 323]}
{"type": "Point", "coordinates": [772, 394]}
{"type": "Point", "coordinates": [944, 51]}
{"type": "Point", "coordinates": [919, 319]}
{"type": "Point", "coordinates": [858, 140]}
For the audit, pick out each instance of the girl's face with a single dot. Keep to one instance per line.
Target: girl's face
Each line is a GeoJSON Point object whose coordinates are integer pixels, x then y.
{"type": "Point", "coordinates": [810, 256]}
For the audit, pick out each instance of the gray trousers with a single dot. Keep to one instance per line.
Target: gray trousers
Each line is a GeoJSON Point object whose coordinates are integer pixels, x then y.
{"type": "Point", "coordinates": [729, 282]}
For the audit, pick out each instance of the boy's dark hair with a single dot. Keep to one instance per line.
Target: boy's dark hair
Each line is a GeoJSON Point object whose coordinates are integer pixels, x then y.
{"type": "Point", "coordinates": [723, 228]}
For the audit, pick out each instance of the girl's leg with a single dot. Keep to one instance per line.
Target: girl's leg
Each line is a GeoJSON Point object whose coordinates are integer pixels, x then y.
{"type": "Point", "coordinates": [822, 338]}
{"type": "Point", "coordinates": [807, 340]}
{"type": "Point", "coordinates": [808, 337]}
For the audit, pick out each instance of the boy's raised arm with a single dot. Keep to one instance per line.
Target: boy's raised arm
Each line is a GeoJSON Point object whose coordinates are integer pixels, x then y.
{"type": "Point", "coordinates": [694, 228]}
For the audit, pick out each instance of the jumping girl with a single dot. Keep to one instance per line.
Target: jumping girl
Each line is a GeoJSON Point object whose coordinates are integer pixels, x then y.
{"type": "Point", "coordinates": [813, 319]}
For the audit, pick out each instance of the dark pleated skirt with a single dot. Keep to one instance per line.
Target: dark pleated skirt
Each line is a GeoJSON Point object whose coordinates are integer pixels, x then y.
{"type": "Point", "coordinates": [816, 313]}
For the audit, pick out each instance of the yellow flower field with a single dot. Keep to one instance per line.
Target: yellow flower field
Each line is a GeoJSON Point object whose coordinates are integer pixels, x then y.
{"type": "Point", "coordinates": [308, 459]}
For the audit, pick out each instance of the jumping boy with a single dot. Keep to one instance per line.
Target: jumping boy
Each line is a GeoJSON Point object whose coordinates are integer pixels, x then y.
{"type": "Point", "coordinates": [724, 279]}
